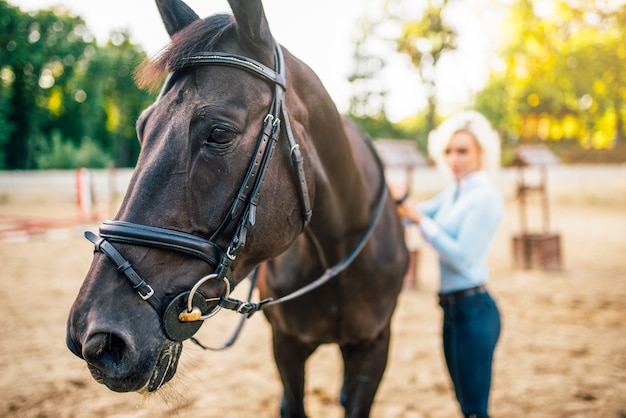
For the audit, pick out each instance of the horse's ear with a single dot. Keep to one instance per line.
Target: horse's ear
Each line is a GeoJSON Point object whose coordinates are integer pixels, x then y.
{"type": "Point", "coordinates": [252, 25]}
{"type": "Point", "coordinates": [175, 14]}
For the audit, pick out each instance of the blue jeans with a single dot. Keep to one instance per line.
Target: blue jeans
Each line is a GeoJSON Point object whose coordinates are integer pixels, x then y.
{"type": "Point", "coordinates": [471, 327]}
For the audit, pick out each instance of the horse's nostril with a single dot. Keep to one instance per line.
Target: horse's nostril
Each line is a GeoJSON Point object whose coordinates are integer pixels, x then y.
{"type": "Point", "coordinates": [74, 348]}
{"type": "Point", "coordinates": [107, 352]}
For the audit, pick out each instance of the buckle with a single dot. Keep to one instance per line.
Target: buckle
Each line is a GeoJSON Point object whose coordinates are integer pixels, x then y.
{"type": "Point", "coordinates": [147, 295]}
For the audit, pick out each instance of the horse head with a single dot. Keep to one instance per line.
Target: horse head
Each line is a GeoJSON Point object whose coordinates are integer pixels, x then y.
{"type": "Point", "coordinates": [204, 205]}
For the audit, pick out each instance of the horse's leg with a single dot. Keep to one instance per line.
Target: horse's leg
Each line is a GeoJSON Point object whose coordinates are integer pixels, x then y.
{"type": "Point", "coordinates": [364, 367]}
{"type": "Point", "coordinates": [290, 355]}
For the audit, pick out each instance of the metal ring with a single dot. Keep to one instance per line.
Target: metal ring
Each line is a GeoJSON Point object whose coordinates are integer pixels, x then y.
{"type": "Point", "coordinates": [293, 148]}
{"type": "Point", "coordinates": [194, 289]}
{"type": "Point", "coordinates": [218, 307]}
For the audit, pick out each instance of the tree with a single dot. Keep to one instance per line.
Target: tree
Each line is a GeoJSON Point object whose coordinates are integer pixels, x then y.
{"type": "Point", "coordinates": [65, 100]}
{"type": "Point", "coordinates": [425, 41]}
{"type": "Point", "coordinates": [367, 103]}
{"type": "Point", "coordinates": [564, 76]}
{"type": "Point", "coordinates": [37, 56]}
{"type": "Point", "coordinates": [368, 96]}
{"type": "Point", "coordinates": [119, 101]}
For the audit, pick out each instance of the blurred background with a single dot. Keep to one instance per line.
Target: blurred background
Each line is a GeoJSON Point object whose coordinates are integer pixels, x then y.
{"type": "Point", "coordinates": [549, 74]}
{"type": "Point", "coordinates": [544, 71]}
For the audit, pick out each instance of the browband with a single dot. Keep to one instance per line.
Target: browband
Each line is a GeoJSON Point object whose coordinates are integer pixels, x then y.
{"type": "Point", "coordinates": [152, 236]}
{"type": "Point", "coordinates": [219, 58]}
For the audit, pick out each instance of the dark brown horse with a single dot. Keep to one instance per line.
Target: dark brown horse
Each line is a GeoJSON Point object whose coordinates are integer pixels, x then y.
{"type": "Point", "coordinates": [244, 159]}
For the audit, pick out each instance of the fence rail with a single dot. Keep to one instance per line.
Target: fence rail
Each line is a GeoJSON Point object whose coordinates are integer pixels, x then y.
{"type": "Point", "coordinates": [565, 183]}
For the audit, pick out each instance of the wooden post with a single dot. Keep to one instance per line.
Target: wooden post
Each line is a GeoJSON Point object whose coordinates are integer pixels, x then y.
{"type": "Point", "coordinates": [544, 200]}
{"type": "Point", "coordinates": [112, 191]}
{"type": "Point", "coordinates": [521, 196]}
{"type": "Point", "coordinates": [541, 249]}
{"type": "Point", "coordinates": [84, 192]}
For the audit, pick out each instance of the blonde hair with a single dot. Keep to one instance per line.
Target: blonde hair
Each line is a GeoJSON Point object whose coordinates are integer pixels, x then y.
{"type": "Point", "coordinates": [479, 127]}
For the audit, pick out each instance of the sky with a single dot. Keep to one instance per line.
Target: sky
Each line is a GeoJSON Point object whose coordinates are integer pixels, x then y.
{"type": "Point", "coordinates": [321, 33]}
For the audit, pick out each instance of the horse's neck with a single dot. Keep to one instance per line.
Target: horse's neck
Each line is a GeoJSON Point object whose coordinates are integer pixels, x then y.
{"type": "Point", "coordinates": [341, 206]}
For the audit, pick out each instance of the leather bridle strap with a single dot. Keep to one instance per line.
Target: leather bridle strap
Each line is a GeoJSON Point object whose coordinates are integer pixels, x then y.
{"type": "Point", "coordinates": [278, 78]}
{"type": "Point", "coordinates": [145, 291]}
{"type": "Point", "coordinates": [249, 190]}
{"type": "Point", "coordinates": [295, 153]}
{"type": "Point", "coordinates": [248, 218]}
{"type": "Point", "coordinates": [169, 239]}
{"type": "Point", "coordinates": [248, 308]}
{"type": "Point", "coordinates": [237, 61]}
{"type": "Point", "coordinates": [131, 233]}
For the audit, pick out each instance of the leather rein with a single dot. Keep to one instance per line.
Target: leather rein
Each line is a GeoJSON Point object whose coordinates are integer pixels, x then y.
{"type": "Point", "coordinates": [185, 314]}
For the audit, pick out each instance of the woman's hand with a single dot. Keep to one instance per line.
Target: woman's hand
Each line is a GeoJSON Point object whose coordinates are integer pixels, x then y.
{"type": "Point", "coordinates": [404, 204]}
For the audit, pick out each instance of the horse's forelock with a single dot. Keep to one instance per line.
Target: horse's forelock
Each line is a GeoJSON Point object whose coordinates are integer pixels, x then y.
{"type": "Point", "coordinates": [201, 35]}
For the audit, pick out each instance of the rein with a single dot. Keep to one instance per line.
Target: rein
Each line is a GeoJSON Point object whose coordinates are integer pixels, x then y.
{"type": "Point", "coordinates": [343, 264]}
{"type": "Point", "coordinates": [185, 314]}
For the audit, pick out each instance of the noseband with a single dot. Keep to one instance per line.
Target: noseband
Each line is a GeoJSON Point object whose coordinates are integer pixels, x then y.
{"type": "Point", "coordinates": [183, 316]}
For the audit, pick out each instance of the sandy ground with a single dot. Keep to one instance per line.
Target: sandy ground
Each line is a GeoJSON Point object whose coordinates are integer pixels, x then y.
{"type": "Point", "coordinates": [562, 351]}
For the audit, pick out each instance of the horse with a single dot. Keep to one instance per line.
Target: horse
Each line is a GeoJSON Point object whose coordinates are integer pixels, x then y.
{"type": "Point", "coordinates": [245, 161]}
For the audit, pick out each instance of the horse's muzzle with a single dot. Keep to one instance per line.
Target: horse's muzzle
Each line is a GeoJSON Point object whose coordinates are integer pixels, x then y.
{"type": "Point", "coordinates": [115, 361]}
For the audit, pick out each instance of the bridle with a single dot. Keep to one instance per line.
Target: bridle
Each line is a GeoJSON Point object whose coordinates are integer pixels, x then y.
{"type": "Point", "coordinates": [184, 315]}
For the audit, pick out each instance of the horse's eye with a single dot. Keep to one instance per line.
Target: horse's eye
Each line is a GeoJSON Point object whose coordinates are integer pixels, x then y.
{"type": "Point", "coordinates": [221, 135]}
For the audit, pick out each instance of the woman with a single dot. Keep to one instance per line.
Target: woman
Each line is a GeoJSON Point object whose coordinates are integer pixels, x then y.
{"type": "Point", "coordinates": [460, 223]}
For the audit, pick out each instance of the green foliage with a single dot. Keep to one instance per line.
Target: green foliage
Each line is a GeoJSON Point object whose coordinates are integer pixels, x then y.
{"type": "Point", "coordinates": [368, 97]}
{"type": "Point", "coordinates": [379, 127]}
{"type": "Point", "coordinates": [411, 129]}
{"type": "Point", "coordinates": [424, 38]}
{"type": "Point", "coordinates": [562, 78]}
{"type": "Point", "coordinates": [564, 75]}
{"type": "Point", "coordinates": [425, 41]}
{"type": "Point", "coordinates": [65, 155]}
{"type": "Point", "coordinates": [55, 78]}
{"type": "Point", "coordinates": [416, 128]}
{"type": "Point", "coordinates": [6, 126]}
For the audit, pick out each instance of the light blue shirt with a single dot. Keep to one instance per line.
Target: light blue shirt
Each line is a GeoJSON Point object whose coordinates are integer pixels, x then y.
{"type": "Point", "coordinates": [460, 223]}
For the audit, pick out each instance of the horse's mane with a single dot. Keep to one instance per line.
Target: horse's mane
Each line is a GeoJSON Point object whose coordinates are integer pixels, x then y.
{"type": "Point", "coordinates": [200, 35]}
